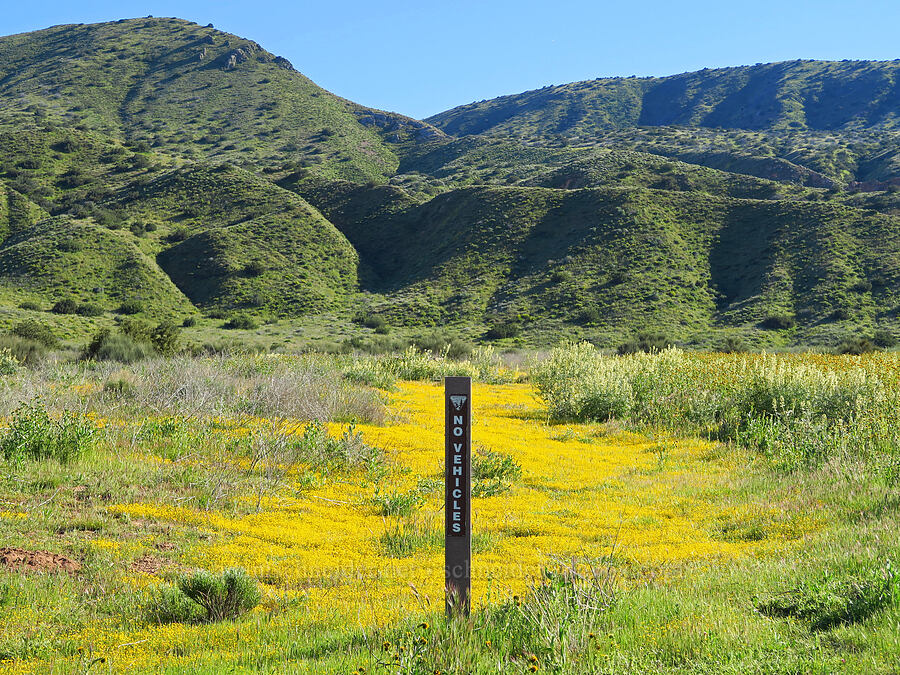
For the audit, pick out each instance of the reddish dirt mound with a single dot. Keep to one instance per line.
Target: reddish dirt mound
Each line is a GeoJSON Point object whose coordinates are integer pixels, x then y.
{"type": "Point", "coordinates": [20, 560]}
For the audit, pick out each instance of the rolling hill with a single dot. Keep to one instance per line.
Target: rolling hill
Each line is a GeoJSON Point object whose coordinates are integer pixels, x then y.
{"type": "Point", "coordinates": [159, 161]}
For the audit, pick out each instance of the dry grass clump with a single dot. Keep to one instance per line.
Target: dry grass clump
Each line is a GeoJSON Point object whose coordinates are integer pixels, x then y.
{"type": "Point", "coordinates": [305, 388]}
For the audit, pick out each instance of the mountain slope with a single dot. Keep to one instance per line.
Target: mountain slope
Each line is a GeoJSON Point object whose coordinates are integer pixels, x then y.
{"type": "Point", "coordinates": [158, 161]}
{"type": "Point", "coordinates": [194, 92]}
{"type": "Point", "coordinates": [60, 258]}
{"type": "Point", "coordinates": [605, 261]}
{"type": "Point", "coordinates": [821, 95]}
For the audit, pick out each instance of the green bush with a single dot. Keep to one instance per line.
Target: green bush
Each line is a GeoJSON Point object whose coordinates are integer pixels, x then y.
{"type": "Point", "coordinates": [137, 330]}
{"type": "Point", "coordinates": [884, 339]}
{"type": "Point", "coordinates": [370, 320]}
{"type": "Point", "coordinates": [503, 329]}
{"type": "Point", "coordinates": [398, 503]}
{"type": "Point", "coordinates": [645, 342]}
{"type": "Point", "coordinates": [109, 346]}
{"type": "Point", "coordinates": [167, 604]}
{"type": "Point", "coordinates": [89, 309]}
{"type": "Point", "coordinates": [856, 346]}
{"type": "Point", "coordinates": [241, 322]}
{"type": "Point", "coordinates": [839, 314]}
{"type": "Point", "coordinates": [26, 352]}
{"type": "Point", "coordinates": [320, 450]}
{"type": "Point", "coordinates": [34, 434]}
{"type": "Point", "coordinates": [733, 345]}
{"type": "Point", "coordinates": [836, 599]}
{"type": "Point", "coordinates": [9, 364]}
{"type": "Point", "coordinates": [254, 268]}
{"type": "Point", "coordinates": [31, 305]}
{"type": "Point", "coordinates": [131, 307]}
{"type": "Point", "coordinates": [589, 317]}
{"type": "Point", "coordinates": [189, 322]}
{"type": "Point", "coordinates": [493, 472]}
{"type": "Point", "coordinates": [67, 306]}
{"type": "Point", "coordinates": [35, 331]}
{"type": "Point", "coordinates": [227, 595]}
{"type": "Point", "coordinates": [778, 322]}
{"type": "Point", "coordinates": [444, 343]}
{"type": "Point", "coordinates": [166, 338]}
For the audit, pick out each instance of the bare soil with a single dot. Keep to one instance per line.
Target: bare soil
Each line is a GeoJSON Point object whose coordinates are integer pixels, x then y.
{"type": "Point", "coordinates": [20, 560]}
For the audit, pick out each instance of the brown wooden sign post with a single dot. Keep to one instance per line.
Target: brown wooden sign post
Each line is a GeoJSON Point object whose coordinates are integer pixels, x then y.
{"type": "Point", "coordinates": [458, 493]}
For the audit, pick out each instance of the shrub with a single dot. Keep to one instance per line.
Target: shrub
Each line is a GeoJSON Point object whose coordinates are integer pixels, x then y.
{"type": "Point", "coordinates": [398, 503]}
{"type": "Point", "coordinates": [89, 309]}
{"type": "Point", "coordinates": [227, 595]}
{"type": "Point", "coordinates": [167, 604]}
{"type": "Point", "coordinates": [370, 320]}
{"type": "Point", "coordinates": [108, 346]}
{"type": "Point", "coordinates": [254, 268]}
{"type": "Point", "coordinates": [733, 345]}
{"type": "Point", "coordinates": [840, 314]}
{"type": "Point", "coordinates": [241, 322]}
{"type": "Point", "coordinates": [884, 339]}
{"type": "Point", "coordinates": [137, 330]}
{"type": "Point", "coordinates": [25, 352]}
{"type": "Point", "coordinates": [836, 599]}
{"type": "Point", "coordinates": [34, 434]}
{"type": "Point", "coordinates": [778, 322]}
{"type": "Point", "coordinates": [444, 343]}
{"type": "Point", "coordinates": [590, 316]}
{"type": "Point", "coordinates": [618, 277]}
{"type": "Point", "coordinates": [165, 338]}
{"type": "Point", "coordinates": [131, 307]}
{"type": "Point", "coordinates": [9, 364]}
{"type": "Point", "coordinates": [31, 305]}
{"type": "Point", "coordinates": [69, 246]}
{"type": "Point", "coordinates": [645, 342]}
{"type": "Point", "coordinates": [492, 472]}
{"type": "Point", "coordinates": [35, 331]}
{"type": "Point", "coordinates": [189, 322]}
{"type": "Point", "coordinates": [177, 235]}
{"type": "Point", "coordinates": [67, 306]}
{"type": "Point", "coordinates": [503, 329]}
{"type": "Point", "coordinates": [856, 346]}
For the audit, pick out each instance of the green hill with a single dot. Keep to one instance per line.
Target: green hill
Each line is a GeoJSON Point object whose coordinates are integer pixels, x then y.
{"type": "Point", "coordinates": [194, 92]}
{"type": "Point", "coordinates": [189, 170]}
{"type": "Point", "coordinates": [609, 261]}
{"type": "Point", "coordinates": [60, 258]}
{"type": "Point", "coordinates": [821, 95]}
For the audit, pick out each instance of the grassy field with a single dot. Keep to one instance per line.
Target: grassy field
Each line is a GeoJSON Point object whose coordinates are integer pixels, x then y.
{"type": "Point", "coordinates": [672, 513]}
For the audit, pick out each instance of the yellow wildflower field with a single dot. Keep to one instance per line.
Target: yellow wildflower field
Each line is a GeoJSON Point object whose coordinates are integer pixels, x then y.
{"type": "Point", "coordinates": [586, 491]}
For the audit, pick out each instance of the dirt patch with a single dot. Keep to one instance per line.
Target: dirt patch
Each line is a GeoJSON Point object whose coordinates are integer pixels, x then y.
{"type": "Point", "coordinates": [165, 546]}
{"type": "Point", "coordinates": [148, 564]}
{"type": "Point", "coordinates": [20, 560]}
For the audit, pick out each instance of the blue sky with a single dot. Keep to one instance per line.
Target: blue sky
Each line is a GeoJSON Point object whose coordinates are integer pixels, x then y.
{"type": "Point", "coordinates": [419, 58]}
